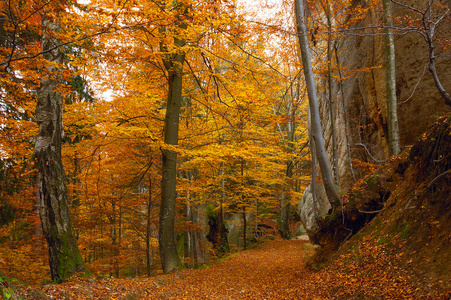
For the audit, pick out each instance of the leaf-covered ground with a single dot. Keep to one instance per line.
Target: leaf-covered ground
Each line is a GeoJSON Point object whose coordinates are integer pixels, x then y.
{"type": "Point", "coordinates": [275, 270]}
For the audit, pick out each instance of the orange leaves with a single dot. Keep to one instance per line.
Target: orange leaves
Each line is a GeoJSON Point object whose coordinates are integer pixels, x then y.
{"type": "Point", "coordinates": [277, 269]}
{"type": "Point", "coordinates": [228, 135]}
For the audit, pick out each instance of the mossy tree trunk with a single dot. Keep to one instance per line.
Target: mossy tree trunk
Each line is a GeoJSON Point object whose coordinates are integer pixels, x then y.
{"type": "Point", "coordinates": [64, 256]}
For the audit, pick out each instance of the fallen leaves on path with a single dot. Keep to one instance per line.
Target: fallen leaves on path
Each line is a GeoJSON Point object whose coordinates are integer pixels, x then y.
{"type": "Point", "coordinates": [276, 270]}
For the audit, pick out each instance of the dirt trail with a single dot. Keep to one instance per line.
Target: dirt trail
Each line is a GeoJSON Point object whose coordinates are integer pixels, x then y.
{"type": "Point", "coordinates": [276, 270]}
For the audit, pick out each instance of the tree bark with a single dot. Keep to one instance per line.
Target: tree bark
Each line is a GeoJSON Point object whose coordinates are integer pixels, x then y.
{"type": "Point", "coordinates": [217, 234]}
{"type": "Point", "coordinates": [173, 63]}
{"type": "Point", "coordinates": [326, 172]}
{"type": "Point", "coordinates": [148, 226]}
{"type": "Point", "coordinates": [284, 228]}
{"type": "Point", "coordinates": [331, 98]}
{"type": "Point", "coordinates": [285, 196]}
{"type": "Point", "coordinates": [64, 256]}
{"type": "Point", "coordinates": [392, 114]}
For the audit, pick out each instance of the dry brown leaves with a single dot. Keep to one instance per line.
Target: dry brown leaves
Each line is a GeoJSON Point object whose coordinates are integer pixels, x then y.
{"type": "Point", "coordinates": [276, 270]}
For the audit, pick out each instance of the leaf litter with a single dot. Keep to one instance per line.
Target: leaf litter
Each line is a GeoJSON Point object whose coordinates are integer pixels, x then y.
{"type": "Point", "coordinates": [275, 270]}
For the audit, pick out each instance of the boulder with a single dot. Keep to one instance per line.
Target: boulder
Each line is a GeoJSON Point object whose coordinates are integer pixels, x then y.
{"type": "Point", "coordinates": [310, 209]}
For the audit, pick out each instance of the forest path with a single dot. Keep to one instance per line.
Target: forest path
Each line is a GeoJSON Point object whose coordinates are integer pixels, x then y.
{"type": "Point", "coordinates": [275, 270]}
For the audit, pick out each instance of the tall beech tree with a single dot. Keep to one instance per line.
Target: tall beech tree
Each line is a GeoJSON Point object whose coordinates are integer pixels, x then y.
{"type": "Point", "coordinates": [64, 256]}
{"type": "Point", "coordinates": [326, 171]}
{"type": "Point", "coordinates": [173, 62]}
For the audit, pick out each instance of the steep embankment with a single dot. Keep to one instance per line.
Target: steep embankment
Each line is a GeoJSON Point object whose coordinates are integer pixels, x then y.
{"type": "Point", "coordinates": [409, 198]}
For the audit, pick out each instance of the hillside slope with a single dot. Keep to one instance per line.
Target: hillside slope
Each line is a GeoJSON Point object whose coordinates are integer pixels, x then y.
{"type": "Point", "coordinates": [403, 210]}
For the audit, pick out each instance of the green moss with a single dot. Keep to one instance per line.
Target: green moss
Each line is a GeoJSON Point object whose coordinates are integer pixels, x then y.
{"type": "Point", "coordinates": [330, 218]}
{"type": "Point", "coordinates": [372, 179]}
{"type": "Point", "coordinates": [405, 231]}
{"type": "Point", "coordinates": [383, 240]}
{"type": "Point", "coordinates": [70, 260]}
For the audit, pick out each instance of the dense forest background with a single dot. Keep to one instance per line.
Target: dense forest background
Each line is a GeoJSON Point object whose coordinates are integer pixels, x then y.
{"type": "Point", "coordinates": [167, 133]}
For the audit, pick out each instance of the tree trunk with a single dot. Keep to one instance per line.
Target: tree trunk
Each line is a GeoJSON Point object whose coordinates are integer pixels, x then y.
{"type": "Point", "coordinates": [284, 216]}
{"type": "Point", "coordinates": [331, 98]}
{"type": "Point", "coordinates": [392, 114]}
{"type": "Point", "coordinates": [173, 63]}
{"type": "Point", "coordinates": [149, 210]}
{"type": "Point", "coordinates": [217, 234]}
{"type": "Point", "coordinates": [188, 240]}
{"type": "Point", "coordinates": [314, 173]}
{"type": "Point", "coordinates": [64, 255]}
{"type": "Point", "coordinates": [284, 227]}
{"type": "Point", "coordinates": [326, 172]}
{"type": "Point", "coordinates": [285, 196]}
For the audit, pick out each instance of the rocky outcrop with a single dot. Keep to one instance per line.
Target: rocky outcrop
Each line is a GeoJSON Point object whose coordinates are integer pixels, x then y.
{"type": "Point", "coordinates": [416, 183]}
{"type": "Point", "coordinates": [360, 101]}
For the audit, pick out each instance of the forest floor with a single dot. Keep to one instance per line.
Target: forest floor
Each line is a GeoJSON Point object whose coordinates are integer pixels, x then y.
{"type": "Point", "coordinates": [274, 270]}
{"type": "Point", "coordinates": [402, 253]}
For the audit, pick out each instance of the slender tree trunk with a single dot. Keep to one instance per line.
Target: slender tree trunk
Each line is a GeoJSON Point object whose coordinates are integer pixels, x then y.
{"type": "Point", "coordinates": [284, 215]}
{"type": "Point", "coordinates": [313, 155]}
{"type": "Point", "coordinates": [326, 172]}
{"type": "Point", "coordinates": [64, 256]}
{"type": "Point", "coordinates": [244, 227]}
{"type": "Point", "coordinates": [285, 204]}
{"type": "Point", "coordinates": [189, 235]}
{"type": "Point", "coordinates": [392, 114]}
{"type": "Point", "coordinates": [149, 210]}
{"type": "Point", "coordinates": [243, 198]}
{"type": "Point", "coordinates": [437, 82]}
{"type": "Point", "coordinates": [285, 196]}
{"type": "Point", "coordinates": [331, 96]}
{"type": "Point", "coordinates": [173, 63]}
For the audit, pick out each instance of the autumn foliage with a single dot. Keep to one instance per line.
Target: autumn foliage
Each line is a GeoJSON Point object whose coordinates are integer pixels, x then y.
{"type": "Point", "coordinates": [233, 128]}
{"type": "Point", "coordinates": [242, 151]}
